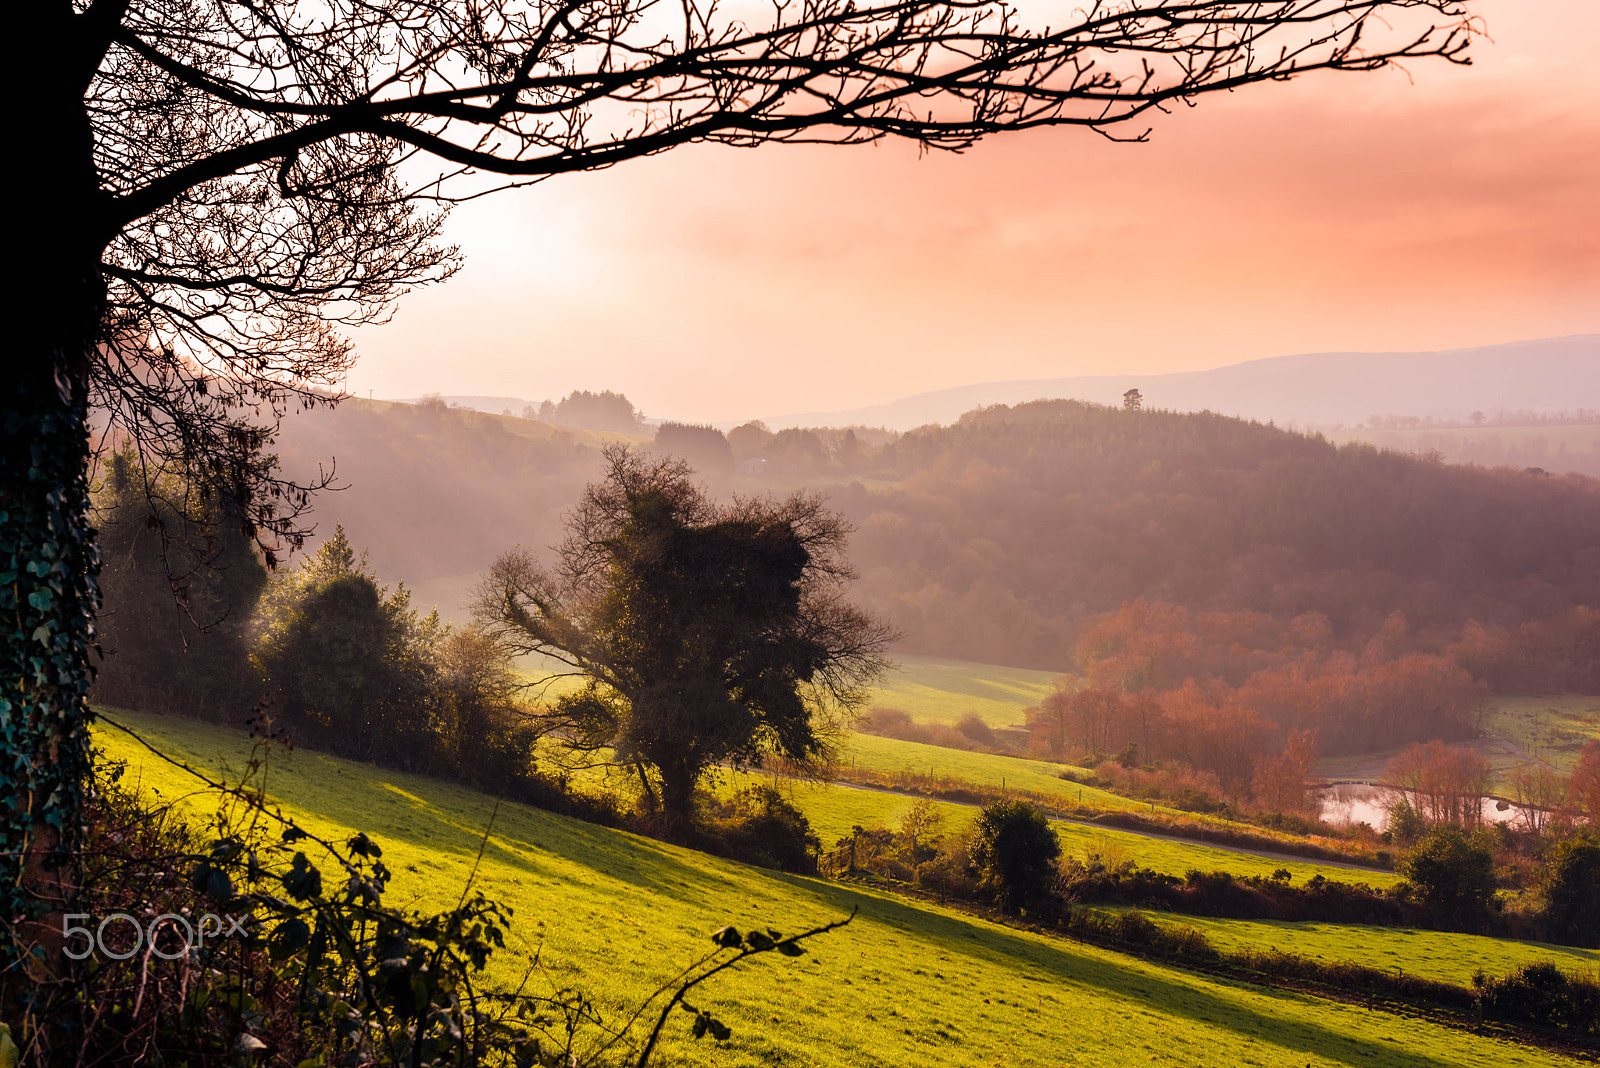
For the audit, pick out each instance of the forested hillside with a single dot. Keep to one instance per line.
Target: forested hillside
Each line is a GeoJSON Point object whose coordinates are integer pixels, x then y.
{"type": "Point", "coordinates": [1003, 537]}
{"type": "Point", "coordinates": [1000, 537]}
{"type": "Point", "coordinates": [435, 493]}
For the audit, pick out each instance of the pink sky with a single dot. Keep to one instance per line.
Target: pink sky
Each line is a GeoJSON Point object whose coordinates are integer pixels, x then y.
{"type": "Point", "coordinates": [1341, 211]}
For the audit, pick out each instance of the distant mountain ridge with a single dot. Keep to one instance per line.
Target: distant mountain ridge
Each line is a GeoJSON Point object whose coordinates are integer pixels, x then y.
{"type": "Point", "coordinates": [1324, 389]}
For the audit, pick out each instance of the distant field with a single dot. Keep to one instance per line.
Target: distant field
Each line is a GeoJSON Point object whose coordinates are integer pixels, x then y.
{"type": "Point", "coordinates": [931, 689]}
{"type": "Point", "coordinates": [834, 808]}
{"type": "Point", "coordinates": [905, 984]}
{"type": "Point", "coordinates": [889, 756]}
{"type": "Point", "coordinates": [1449, 958]}
{"type": "Point", "coordinates": [938, 690]}
{"type": "Point", "coordinates": [1180, 857]}
{"type": "Point", "coordinates": [1548, 728]}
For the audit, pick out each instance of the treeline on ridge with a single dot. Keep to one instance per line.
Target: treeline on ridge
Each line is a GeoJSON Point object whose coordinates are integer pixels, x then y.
{"type": "Point", "coordinates": [1008, 533]}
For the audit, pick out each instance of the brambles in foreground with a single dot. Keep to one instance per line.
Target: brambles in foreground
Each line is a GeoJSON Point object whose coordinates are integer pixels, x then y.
{"type": "Point", "coordinates": [307, 963]}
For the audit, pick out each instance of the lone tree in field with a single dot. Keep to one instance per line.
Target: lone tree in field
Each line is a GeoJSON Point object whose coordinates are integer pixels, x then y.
{"type": "Point", "coordinates": [707, 633]}
{"type": "Point", "coordinates": [1015, 851]}
{"type": "Point", "coordinates": [226, 184]}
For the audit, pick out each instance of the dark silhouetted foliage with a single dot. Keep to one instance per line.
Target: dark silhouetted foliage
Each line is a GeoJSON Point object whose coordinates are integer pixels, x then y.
{"type": "Point", "coordinates": [1015, 851]}
{"type": "Point", "coordinates": [1453, 873]}
{"type": "Point", "coordinates": [709, 633]}
{"type": "Point", "coordinates": [1569, 889]}
{"type": "Point", "coordinates": [179, 580]}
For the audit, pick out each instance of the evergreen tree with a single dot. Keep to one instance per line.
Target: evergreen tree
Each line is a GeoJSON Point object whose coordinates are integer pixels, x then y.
{"type": "Point", "coordinates": [179, 580]}
{"type": "Point", "coordinates": [349, 664]}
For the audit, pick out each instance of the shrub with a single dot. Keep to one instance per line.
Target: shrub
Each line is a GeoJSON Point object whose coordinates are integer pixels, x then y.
{"type": "Point", "coordinates": [950, 873]}
{"type": "Point", "coordinates": [759, 825]}
{"type": "Point", "coordinates": [1569, 886]}
{"type": "Point", "coordinates": [976, 731]}
{"type": "Point", "coordinates": [1015, 851]}
{"type": "Point", "coordinates": [1136, 928]}
{"type": "Point", "coordinates": [1540, 993]}
{"type": "Point", "coordinates": [1453, 874]}
{"type": "Point", "coordinates": [1405, 823]}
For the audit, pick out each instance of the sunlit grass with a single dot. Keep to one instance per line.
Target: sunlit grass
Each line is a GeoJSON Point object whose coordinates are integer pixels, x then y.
{"type": "Point", "coordinates": [1439, 955]}
{"type": "Point", "coordinates": [940, 690]}
{"type": "Point", "coordinates": [890, 756]}
{"type": "Point", "coordinates": [1552, 728]}
{"type": "Point", "coordinates": [905, 984]}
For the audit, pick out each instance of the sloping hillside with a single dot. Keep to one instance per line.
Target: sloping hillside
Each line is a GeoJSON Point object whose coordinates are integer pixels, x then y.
{"type": "Point", "coordinates": [904, 984]}
{"type": "Point", "coordinates": [1007, 531]}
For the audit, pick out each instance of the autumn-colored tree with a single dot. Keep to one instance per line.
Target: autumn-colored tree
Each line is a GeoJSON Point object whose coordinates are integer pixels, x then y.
{"type": "Point", "coordinates": [1583, 788]}
{"type": "Point", "coordinates": [1539, 790]}
{"type": "Point", "coordinates": [1444, 783]}
{"type": "Point", "coordinates": [1279, 783]}
{"type": "Point", "coordinates": [1211, 731]}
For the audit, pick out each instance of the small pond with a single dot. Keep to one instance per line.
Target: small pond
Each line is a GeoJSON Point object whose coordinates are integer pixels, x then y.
{"type": "Point", "coordinates": [1344, 803]}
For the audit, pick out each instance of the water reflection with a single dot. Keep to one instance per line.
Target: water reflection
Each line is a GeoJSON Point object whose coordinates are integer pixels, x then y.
{"type": "Point", "coordinates": [1346, 803]}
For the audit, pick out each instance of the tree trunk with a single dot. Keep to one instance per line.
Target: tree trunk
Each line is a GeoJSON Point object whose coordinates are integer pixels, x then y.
{"type": "Point", "coordinates": [48, 600]}
{"type": "Point", "coordinates": [48, 564]}
{"type": "Point", "coordinates": [678, 779]}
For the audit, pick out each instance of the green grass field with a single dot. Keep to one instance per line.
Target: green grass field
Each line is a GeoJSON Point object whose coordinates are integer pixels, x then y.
{"type": "Point", "coordinates": [905, 984]}
{"type": "Point", "coordinates": [888, 756]}
{"type": "Point", "coordinates": [939, 690]}
{"type": "Point", "coordinates": [1446, 957]}
{"type": "Point", "coordinates": [1547, 728]}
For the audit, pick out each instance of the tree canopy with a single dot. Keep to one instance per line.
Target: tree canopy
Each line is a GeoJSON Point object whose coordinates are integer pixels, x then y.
{"type": "Point", "coordinates": [706, 632]}
{"type": "Point", "coordinates": [350, 664]}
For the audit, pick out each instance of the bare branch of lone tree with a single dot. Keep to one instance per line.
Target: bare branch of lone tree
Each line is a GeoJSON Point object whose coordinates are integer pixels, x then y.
{"type": "Point", "coordinates": [224, 184]}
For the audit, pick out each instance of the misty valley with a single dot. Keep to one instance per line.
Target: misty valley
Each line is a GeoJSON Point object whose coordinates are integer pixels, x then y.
{"type": "Point", "coordinates": [983, 734]}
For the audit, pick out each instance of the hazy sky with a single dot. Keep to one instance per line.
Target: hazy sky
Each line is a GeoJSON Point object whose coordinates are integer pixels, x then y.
{"type": "Point", "coordinates": [1359, 211]}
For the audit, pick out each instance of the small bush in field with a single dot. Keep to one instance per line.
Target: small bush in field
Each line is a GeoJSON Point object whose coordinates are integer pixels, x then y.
{"type": "Point", "coordinates": [758, 824]}
{"type": "Point", "coordinates": [1136, 928]}
{"type": "Point", "coordinates": [1015, 852]}
{"type": "Point", "coordinates": [1453, 873]}
{"type": "Point", "coordinates": [976, 731]}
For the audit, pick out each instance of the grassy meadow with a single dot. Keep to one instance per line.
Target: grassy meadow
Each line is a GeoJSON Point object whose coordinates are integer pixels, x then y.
{"type": "Point", "coordinates": [1552, 728]}
{"type": "Point", "coordinates": [904, 984]}
{"type": "Point", "coordinates": [1440, 955]}
{"type": "Point", "coordinates": [940, 690]}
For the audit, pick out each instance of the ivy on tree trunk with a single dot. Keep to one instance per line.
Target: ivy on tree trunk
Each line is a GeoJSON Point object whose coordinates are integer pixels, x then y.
{"type": "Point", "coordinates": [48, 598]}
